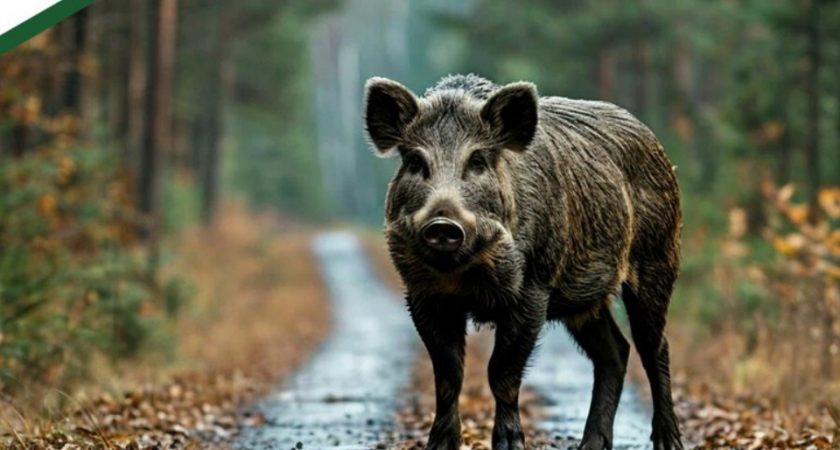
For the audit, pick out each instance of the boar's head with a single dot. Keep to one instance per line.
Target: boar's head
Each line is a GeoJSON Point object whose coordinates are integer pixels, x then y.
{"type": "Point", "coordinates": [450, 207]}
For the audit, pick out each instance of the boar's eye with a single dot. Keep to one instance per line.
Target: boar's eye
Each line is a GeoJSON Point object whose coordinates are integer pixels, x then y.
{"type": "Point", "coordinates": [477, 162]}
{"type": "Point", "coordinates": [414, 164]}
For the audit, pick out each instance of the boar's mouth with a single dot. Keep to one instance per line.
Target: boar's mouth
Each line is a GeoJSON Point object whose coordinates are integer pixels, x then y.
{"type": "Point", "coordinates": [481, 247]}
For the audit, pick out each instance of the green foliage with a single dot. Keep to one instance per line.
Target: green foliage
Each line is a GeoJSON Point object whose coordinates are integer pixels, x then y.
{"type": "Point", "coordinates": [80, 268]}
{"type": "Point", "coordinates": [181, 202]}
{"type": "Point", "coordinates": [274, 162]}
{"type": "Point", "coordinates": [70, 285]}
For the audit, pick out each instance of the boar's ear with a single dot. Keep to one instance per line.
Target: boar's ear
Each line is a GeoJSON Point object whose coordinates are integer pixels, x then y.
{"type": "Point", "coordinates": [512, 114]}
{"type": "Point", "coordinates": [389, 108]}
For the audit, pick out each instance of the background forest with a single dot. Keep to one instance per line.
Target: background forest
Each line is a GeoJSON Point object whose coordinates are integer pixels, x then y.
{"type": "Point", "coordinates": [130, 126]}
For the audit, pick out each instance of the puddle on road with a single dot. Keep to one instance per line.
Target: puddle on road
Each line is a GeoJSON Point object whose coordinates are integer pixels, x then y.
{"type": "Point", "coordinates": [346, 395]}
{"type": "Point", "coordinates": [563, 377]}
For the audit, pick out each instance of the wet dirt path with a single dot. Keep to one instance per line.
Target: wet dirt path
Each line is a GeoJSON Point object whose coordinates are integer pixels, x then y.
{"type": "Point", "coordinates": [563, 377]}
{"type": "Point", "coordinates": [346, 395]}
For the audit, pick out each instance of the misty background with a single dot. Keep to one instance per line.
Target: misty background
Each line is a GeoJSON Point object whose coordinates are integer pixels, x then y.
{"type": "Point", "coordinates": [134, 124]}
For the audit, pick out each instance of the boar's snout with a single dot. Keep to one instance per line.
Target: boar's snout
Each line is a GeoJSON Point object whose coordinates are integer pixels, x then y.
{"type": "Point", "coordinates": [443, 235]}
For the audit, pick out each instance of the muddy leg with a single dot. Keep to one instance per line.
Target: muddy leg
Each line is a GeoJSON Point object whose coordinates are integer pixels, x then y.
{"type": "Point", "coordinates": [647, 306]}
{"type": "Point", "coordinates": [444, 333]}
{"type": "Point", "coordinates": [606, 346]}
{"type": "Point", "coordinates": [514, 345]}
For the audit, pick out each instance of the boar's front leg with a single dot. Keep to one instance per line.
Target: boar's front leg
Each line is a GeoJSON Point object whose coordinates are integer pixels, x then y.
{"type": "Point", "coordinates": [516, 337]}
{"type": "Point", "coordinates": [443, 330]}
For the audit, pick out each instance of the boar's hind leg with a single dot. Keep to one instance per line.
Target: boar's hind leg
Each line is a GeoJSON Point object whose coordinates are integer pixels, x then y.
{"type": "Point", "coordinates": [515, 340]}
{"type": "Point", "coordinates": [604, 344]}
{"type": "Point", "coordinates": [647, 305]}
{"type": "Point", "coordinates": [444, 334]}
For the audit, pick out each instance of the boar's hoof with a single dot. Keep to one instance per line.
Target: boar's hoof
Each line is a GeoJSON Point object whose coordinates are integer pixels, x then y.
{"type": "Point", "coordinates": [508, 439]}
{"type": "Point", "coordinates": [667, 444]}
{"type": "Point", "coordinates": [444, 444]}
{"type": "Point", "coordinates": [666, 436]}
{"type": "Point", "coordinates": [596, 442]}
{"type": "Point", "coordinates": [445, 436]}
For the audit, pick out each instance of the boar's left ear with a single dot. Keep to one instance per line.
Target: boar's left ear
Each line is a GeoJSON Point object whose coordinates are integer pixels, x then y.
{"type": "Point", "coordinates": [512, 114]}
{"type": "Point", "coordinates": [389, 108]}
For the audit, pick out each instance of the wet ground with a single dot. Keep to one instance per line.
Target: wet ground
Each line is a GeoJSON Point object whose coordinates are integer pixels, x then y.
{"type": "Point", "coordinates": [563, 377]}
{"type": "Point", "coordinates": [346, 396]}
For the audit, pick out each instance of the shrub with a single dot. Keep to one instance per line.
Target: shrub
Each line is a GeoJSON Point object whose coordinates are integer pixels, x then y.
{"type": "Point", "coordinates": [72, 281]}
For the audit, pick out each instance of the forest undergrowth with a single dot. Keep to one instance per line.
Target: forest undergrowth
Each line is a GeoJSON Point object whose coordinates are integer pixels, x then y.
{"type": "Point", "coordinates": [257, 309]}
{"type": "Point", "coordinates": [754, 333]}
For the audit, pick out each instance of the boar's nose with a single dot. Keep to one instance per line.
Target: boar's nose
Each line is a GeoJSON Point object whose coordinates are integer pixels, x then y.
{"type": "Point", "coordinates": [443, 235]}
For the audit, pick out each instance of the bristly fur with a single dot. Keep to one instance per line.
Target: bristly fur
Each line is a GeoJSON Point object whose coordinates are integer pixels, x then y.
{"type": "Point", "coordinates": [564, 204]}
{"type": "Point", "coordinates": [471, 84]}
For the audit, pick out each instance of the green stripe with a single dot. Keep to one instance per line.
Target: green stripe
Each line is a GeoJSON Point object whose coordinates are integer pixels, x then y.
{"type": "Point", "coordinates": [40, 22]}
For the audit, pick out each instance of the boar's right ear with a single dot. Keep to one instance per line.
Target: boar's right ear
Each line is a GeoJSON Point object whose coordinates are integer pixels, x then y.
{"type": "Point", "coordinates": [389, 108]}
{"type": "Point", "coordinates": [511, 112]}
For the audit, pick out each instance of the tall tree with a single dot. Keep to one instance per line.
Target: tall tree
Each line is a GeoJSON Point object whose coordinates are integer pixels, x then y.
{"type": "Point", "coordinates": [161, 23]}
{"type": "Point", "coordinates": [73, 82]}
{"type": "Point", "coordinates": [812, 92]}
{"type": "Point", "coordinates": [220, 80]}
{"type": "Point", "coordinates": [642, 61]}
{"type": "Point", "coordinates": [606, 74]}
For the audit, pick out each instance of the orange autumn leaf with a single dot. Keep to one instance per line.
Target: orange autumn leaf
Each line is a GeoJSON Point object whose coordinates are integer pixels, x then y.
{"type": "Point", "coordinates": [788, 246]}
{"type": "Point", "coordinates": [772, 131]}
{"type": "Point", "coordinates": [47, 204]}
{"type": "Point", "coordinates": [829, 199]}
{"type": "Point", "coordinates": [832, 272]}
{"type": "Point", "coordinates": [31, 109]}
{"type": "Point", "coordinates": [798, 214]}
{"type": "Point", "coordinates": [66, 168]}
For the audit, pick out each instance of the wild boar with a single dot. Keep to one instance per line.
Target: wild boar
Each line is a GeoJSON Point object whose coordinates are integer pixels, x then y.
{"type": "Point", "coordinates": [514, 209]}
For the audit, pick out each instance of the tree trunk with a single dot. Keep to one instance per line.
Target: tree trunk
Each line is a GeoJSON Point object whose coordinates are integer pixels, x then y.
{"type": "Point", "coordinates": [687, 119]}
{"type": "Point", "coordinates": [73, 80]}
{"type": "Point", "coordinates": [681, 72]}
{"type": "Point", "coordinates": [837, 121]}
{"type": "Point", "coordinates": [94, 87]}
{"type": "Point", "coordinates": [606, 74]}
{"type": "Point", "coordinates": [161, 22]}
{"type": "Point", "coordinates": [812, 92]}
{"type": "Point", "coordinates": [135, 99]}
{"type": "Point", "coordinates": [641, 69]}
{"type": "Point", "coordinates": [785, 143]}
{"type": "Point", "coordinates": [641, 62]}
{"type": "Point", "coordinates": [221, 67]}
{"type": "Point", "coordinates": [784, 158]}
{"type": "Point", "coordinates": [115, 45]}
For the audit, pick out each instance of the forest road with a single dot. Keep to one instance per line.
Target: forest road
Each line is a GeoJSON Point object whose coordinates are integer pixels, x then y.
{"type": "Point", "coordinates": [347, 395]}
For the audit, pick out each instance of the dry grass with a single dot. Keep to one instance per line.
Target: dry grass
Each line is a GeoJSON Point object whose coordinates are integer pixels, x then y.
{"type": "Point", "coordinates": [259, 310]}
{"type": "Point", "coordinates": [260, 304]}
{"type": "Point", "coordinates": [377, 251]}
{"type": "Point", "coordinates": [762, 373]}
